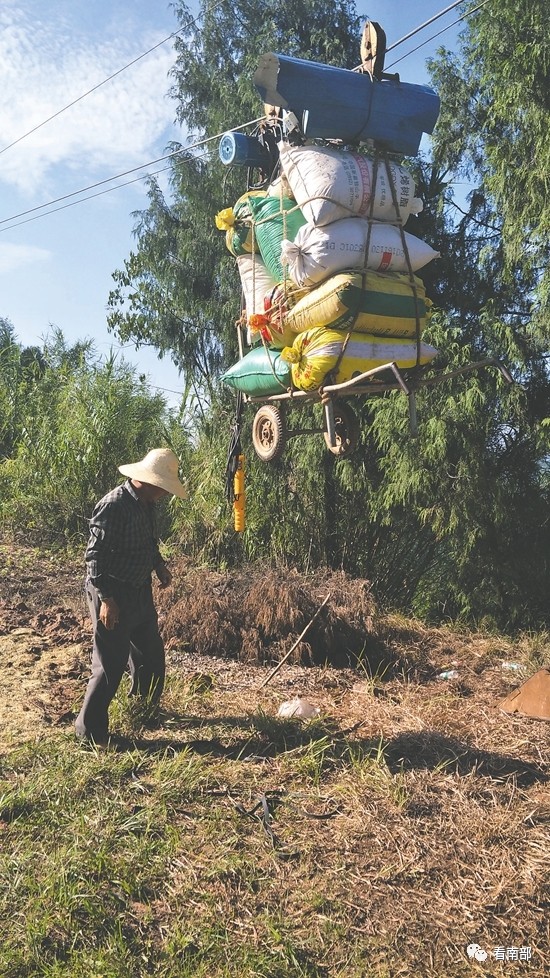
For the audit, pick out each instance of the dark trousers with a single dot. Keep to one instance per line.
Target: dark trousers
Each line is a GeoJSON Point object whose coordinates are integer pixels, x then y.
{"type": "Point", "coordinates": [135, 642]}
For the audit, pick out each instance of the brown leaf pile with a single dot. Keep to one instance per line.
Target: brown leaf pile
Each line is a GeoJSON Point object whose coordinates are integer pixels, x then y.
{"type": "Point", "coordinates": [255, 614]}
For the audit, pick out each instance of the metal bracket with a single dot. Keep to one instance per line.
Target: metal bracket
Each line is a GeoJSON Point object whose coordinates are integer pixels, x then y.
{"type": "Point", "coordinates": [329, 415]}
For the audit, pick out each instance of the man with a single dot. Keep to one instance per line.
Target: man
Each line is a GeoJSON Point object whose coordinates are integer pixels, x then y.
{"type": "Point", "coordinates": [121, 554]}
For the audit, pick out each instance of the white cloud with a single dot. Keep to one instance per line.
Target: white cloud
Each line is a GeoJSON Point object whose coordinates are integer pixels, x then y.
{"type": "Point", "coordinates": [44, 67]}
{"type": "Point", "coordinates": [14, 256]}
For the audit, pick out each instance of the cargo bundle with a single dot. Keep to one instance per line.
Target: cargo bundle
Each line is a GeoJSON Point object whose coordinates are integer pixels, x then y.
{"type": "Point", "coordinates": [322, 245]}
{"type": "Point", "coordinates": [332, 305]}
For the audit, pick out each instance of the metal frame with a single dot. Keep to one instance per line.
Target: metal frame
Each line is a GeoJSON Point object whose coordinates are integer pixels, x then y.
{"type": "Point", "coordinates": [363, 385]}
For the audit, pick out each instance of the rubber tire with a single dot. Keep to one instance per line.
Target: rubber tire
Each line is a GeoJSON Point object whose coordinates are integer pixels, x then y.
{"type": "Point", "coordinates": [268, 433]}
{"type": "Point", "coordinates": [347, 431]}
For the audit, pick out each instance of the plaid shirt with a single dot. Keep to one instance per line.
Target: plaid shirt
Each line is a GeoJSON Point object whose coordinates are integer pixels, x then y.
{"type": "Point", "coordinates": [123, 541]}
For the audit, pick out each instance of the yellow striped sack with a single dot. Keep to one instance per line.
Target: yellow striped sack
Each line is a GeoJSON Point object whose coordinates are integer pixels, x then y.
{"type": "Point", "coordinates": [380, 303]}
{"type": "Point", "coordinates": [315, 353]}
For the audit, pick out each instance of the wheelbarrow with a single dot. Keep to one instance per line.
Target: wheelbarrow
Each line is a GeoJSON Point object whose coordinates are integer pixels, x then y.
{"type": "Point", "coordinates": [341, 429]}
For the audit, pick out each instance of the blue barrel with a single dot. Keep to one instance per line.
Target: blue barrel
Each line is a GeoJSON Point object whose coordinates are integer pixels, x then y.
{"type": "Point", "coordinates": [240, 150]}
{"type": "Point", "coordinates": [334, 103]}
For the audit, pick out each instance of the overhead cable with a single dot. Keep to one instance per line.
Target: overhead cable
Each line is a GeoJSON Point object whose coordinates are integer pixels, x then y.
{"type": "Point", "coordinates": [203, 142]}
{"type": "Point", "coordinates": [425, 24]}
{"type": "Point", "coordinates": [101, 83]}
{"type": "Point", "coordinates": [100, 193]}
{"type": "Point", "coordinates": [190, 24]}
{"type": "Point", "coordinates": [101, 183]}
{"type": "Point", "coordinates": [433, 36]}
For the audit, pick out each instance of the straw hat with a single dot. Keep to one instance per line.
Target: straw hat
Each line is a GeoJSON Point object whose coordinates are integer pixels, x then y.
{"type": "Point", "coordinates": [158, 468]}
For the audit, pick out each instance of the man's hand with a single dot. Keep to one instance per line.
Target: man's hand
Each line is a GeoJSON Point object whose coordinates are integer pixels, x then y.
{"type": "Point", "coordinates": [164, 576]}
{"type": "Point", "coordinates": [109, 613]}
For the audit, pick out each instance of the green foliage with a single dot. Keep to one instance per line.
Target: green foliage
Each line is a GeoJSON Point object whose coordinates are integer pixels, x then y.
{"type": "Point", "coordinates": [454, 523]}
{"type": "Point", "coordinates": [176, 286]}
{"type": "Point", "coordinates": [492, 511]}
{"type": "Point", "coordinates": [180, 289]}
{"type": "Point", "coordinates": [494, 124]}
{"type": "Point", "coordinates": [471, 486]}
{"type": "Point", "coordinates": [72, 423]}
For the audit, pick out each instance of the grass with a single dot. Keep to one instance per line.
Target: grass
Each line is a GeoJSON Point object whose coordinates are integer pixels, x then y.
{"type": "Point", "coordinates": [231, 843]}
{"type": "Point", "coordinates": [408, 820]}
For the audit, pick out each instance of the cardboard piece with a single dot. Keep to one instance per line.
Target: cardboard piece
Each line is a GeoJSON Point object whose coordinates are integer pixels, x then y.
{"type": "Point", "coordinates": [532, 699]}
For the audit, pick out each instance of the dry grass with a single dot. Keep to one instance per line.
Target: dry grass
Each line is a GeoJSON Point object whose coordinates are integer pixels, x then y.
{"type": "Point", "coordinates": [410, 820]}
{"type": "Point", "coordinates": [255, 613]}
{"type": "Point", "coordinates": [440, 818]}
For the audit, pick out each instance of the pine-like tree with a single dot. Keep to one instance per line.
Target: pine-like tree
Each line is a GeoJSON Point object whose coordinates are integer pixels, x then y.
{"type": "Point", "coordinates": [456, 522]}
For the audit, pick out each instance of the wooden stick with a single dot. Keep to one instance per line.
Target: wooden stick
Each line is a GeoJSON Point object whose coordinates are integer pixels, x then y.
{"type": "Point", "coordinates": [297, 642]}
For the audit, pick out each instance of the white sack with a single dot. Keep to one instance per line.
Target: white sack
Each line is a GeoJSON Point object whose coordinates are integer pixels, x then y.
{"type": "Point", "coordinates": [329, 184]}
{"type": "Point", "coordinates": [256, 282]}
{"type": "Point", "coordinates": [316, 253]}
{"type": "Point", "coordinates": [298, 708]}
{"type": "Point", "coordinates": [280, 187]}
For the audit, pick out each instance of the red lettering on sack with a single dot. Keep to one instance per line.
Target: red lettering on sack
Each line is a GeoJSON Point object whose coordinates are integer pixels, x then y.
{"type": "Point", "coordinates": [385, 261]}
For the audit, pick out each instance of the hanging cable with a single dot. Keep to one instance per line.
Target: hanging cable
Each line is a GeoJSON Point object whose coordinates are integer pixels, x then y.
{"type": "Point", "coordinates": [203, 142]}
{"type": "Point", "coordinates": [100, 193]}
{"type": "Point", "coordinates": [104, 82]}
{"type": "Point", "coordinates": [433, 36]}
{"type": "Point", "coordinates": [427, 23]}
{"type": "Point", "coordinates": [100, 183]}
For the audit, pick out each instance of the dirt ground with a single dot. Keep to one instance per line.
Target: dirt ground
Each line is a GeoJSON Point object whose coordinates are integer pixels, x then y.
{"type": "Point", "coordinates": [235, 626]}
{"type": "Point", "coordinates": [455, 813]}
{"type": "Point", "coordinates": [44, 638]}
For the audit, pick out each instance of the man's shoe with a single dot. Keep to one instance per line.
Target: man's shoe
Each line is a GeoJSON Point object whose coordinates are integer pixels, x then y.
{"type": "Point", "coordinates": [101, 743]}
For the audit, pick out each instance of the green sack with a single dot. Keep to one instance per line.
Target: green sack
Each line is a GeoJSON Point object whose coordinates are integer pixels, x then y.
{"type": "Point", "coordinates": [237, 223]}
{"type": "Point", "coordinates": [275, 218]}
{"type": "Point", "coordinates": [260, 372]}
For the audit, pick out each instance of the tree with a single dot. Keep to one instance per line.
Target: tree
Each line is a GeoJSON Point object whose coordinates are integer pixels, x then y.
{"type": "Point", "coordinates": [179, 290]}
{"type": "Point", "coordinates": [10, 376]}
{"type": "Point", "coordinates": [478, 482]}
{"type": "Point", "coordinates": [20, 367]}
{"type": "Point", "coordinates": [456, 522]}
{"type": "Point", "coordinates": [496, 112]}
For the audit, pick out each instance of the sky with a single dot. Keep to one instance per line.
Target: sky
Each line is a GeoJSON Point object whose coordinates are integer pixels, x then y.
{"type": "Point", "coordinates": [56, 270]}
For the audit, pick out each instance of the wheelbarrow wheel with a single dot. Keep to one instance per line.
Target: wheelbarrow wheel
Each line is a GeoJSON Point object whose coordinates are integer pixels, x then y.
{"type": "Point", "coordinates": [268, 433]}
{"type": "Point", "coordinates": [346, 427]}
